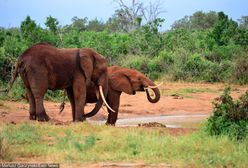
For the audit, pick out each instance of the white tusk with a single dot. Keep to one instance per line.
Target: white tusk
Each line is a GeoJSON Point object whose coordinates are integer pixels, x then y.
{"type": "Point", "coordinates": [153, 87]}
{"type": "Point", "coordinates": [103, 98]}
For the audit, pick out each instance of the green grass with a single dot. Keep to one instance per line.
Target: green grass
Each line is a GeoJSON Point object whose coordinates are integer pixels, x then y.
{"type": "Point", "coordinates": [187, 92]}
{"type": "Point", "coordinates": [86, 143]}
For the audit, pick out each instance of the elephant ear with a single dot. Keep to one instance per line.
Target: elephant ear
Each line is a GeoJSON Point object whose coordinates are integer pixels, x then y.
{"type": "Point", "coordinates": [86, 64]}
{"type": "Point", "coordinates": [120, 82]}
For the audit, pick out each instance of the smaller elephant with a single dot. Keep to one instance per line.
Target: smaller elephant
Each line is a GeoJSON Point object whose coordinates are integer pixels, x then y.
{"type": "Point", "coordinates": [121, 80]}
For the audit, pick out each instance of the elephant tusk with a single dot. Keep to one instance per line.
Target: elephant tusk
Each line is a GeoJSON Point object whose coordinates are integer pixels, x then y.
{"type": "Point", "coordinates": [104, 100]}
{"type": "Point", "coordinates": [156, 86]}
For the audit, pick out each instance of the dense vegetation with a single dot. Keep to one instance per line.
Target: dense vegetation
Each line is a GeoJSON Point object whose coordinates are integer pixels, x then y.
{"type": "Point", "coordinates": [229, 117]}
{"type": "Point", "coordinates": [207, 47]}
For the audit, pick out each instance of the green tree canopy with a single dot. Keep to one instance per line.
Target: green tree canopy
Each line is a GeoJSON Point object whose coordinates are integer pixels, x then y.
{"type": "Point", "coordinates": [52, 23]}
{"type": "Point", "coordinates": [199, 20]}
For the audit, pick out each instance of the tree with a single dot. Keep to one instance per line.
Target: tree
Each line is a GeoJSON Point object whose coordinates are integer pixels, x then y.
{"type": "Point", "coordinates": [199, 21]}
{"type": "Point", "coordinates": [2, 36]}
{"type": "Point", "coordinates": [95, 25]}
{"type": "Point", "coordinates": [28, 28]}
{"type": "Point", "coordinates": [79, 24]}
{"type": "Point", "coordinates": [120, 21]}
{"type": "Point", "coordinates": [31, 33]}
{"type": "Point", "coordinates": [52, 24]}
{"type": "Point", "coordinates": [153, 10]}
{"type": "Point", "coordinates": [243, 22]}
{"type": "Point", "coordinates": [241, 37]}
{"type": "Point", "coordinates": [130, 17]}
{"type": "Point", "coordinates": [224, 30]}
{"type": "Point", "coordinates": [183, 23]}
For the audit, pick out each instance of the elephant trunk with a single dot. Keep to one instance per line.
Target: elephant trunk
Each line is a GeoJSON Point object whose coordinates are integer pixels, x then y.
{"type": "Point", "coordinates": [103, 82]}
{"type": "Point", "coordinates": [156, 92]}
{"type": "Point", "coordinates": [96, 108]}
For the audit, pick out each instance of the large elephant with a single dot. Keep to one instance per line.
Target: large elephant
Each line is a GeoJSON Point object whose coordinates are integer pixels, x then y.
{"type": "Point", "coordinates": [122, 80]}
{"type": "Point", "coordinates": [44, 67]}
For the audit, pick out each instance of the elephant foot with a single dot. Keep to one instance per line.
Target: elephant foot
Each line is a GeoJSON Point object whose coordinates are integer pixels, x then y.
{"type": "Point", "coordinates": [110, 123]}
{"type": "Point", "coordinates": [42, 117]}
{"type": "Point", "coordinates": [80, 119]}
{"type": "Point", "coordinates": [32, 116]}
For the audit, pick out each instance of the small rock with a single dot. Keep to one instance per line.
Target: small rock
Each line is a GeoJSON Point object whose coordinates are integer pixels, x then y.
{"type": "Point", "coordinates": [152, 124]}
{"type": "Point", "coordinates": [13, 122]}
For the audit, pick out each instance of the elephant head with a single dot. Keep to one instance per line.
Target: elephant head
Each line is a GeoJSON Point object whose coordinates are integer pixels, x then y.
{"type": "Point", "coordinates": [95, 70]}
{"type": "Point", "coordinates": [94, 67]}
{"type": "Point", "coordinates": [129, 81]}
{"type": "Point", "coordinates": [122, 80]}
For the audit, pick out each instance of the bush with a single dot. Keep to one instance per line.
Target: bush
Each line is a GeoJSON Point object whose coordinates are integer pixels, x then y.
{"type": "Point", "coordinates": [196, 65]}
{"type": "Point", "coordinates": [55, 95]}
{"type": "Point", "coordinates": [139, 63]}
{"type": "Point", "coordinates": [162, 63]}
{"type": "Point", "coordinates": [220, 53]}
{"type": "Point", "coordinates": [218, 72]}
{"type": "Point", "coordinates": [109, 45]}
{"type": "Point", "coordinates": [229, 117]}
{"type": "Point", "coordinates": [192, 67]}
{"type": "Point", "coordinates": [241, 69]}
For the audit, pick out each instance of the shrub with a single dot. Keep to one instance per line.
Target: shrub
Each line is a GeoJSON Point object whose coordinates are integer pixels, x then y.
{"type": "Point", "coordinates": [241, 69]}
{"type": "Point", "coordinates": [220, 53]}
{"type": "Point", "coordinates": [161, 63]}
{"type": "Point", "coordinates": [55, 95]}
{"type": "Point", "coordinates": [192, 67]}
{"type": "Point", "coordinates": [139, 63]}
{"type": "Point", "coordinates": [109, 45]}
{"type": "Point", "coordinates": [229, 117]}
{"type": "Point", "coordinates": [218, 72]}
{"type": "Point", "coordinates": [196, 65]}
{"type": "Point", "coordinates": [18, 89]}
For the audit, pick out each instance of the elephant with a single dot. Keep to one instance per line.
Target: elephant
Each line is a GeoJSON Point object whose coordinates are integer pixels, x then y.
{"type": "Point", "coordinates": [121, 80]}
{"type": "Point", "coordinates": [43, 67]}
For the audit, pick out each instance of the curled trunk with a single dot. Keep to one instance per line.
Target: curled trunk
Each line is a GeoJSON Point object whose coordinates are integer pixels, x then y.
{"type": "Point", "coordinates": [154, 89]}
{"type": "Point", "coordinates": [157, 95]}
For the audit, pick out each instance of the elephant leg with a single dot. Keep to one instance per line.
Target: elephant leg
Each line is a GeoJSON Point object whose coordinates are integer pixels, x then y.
{"type": "Point", "coordinates": [40, 110]}
{"type": "Point", "coordinates": [37, 81]}
{"type": "Point", "coordinates": [32, 106]}
{"type": "Point", "coordinates": [79, 93]}
{"type": "Point", "coordinates": [71, 98]}
{"type": "Point", "coordinates": [39, 92]}
{"type": "Point", "coordinates": [113, 99]}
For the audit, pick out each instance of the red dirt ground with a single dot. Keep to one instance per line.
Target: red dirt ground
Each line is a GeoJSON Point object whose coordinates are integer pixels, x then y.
{"type": "Point", "coordinates": [172, 102]}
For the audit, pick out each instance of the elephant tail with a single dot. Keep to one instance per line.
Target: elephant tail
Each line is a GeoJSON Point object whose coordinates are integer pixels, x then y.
{"type": "Point", "coordinates": [62, 105]}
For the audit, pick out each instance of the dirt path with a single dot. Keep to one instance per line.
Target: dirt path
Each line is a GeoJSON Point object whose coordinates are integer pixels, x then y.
{"type": "Point", "coordinates": [177, 99]}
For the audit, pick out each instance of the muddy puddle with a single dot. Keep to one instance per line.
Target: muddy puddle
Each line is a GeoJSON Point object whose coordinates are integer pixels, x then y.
{"type": "Point", "coordinates": [170, 121]}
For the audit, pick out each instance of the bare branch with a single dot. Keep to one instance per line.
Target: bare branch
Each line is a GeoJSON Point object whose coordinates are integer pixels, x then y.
{"type": "Point", "coordinates": [129, 14]}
